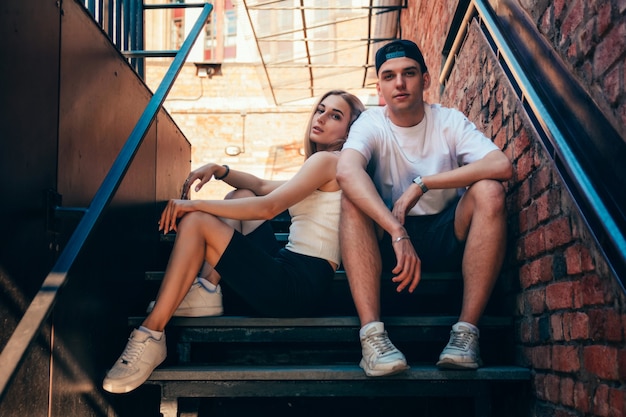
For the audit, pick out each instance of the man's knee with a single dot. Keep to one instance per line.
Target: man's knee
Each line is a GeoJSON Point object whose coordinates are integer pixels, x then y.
{"type": "Point", "coordinates": [490, 195]}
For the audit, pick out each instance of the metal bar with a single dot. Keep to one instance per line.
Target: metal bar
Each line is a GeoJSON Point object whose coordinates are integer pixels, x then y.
{"type": "Point", "coordinates": [318, 66]}
{"type": "Point", "coordinates": [91, 6]}
{"type": "Point", "coordinates": [140, 35]}
{"type": "Point", "coordinates": [118, 25]}
{"type": "Point", "coordinates": [292, 8]}
{"type": "Point", "coordinates": [308, 49]}
{"type": "Point", "coordinates": [101, 13]}
{"type": "Point", "coordinates": [126, 26]}
{"type": "Point", "coordinates": [458, 40]}
{"type": "Point", "coordinates": [110, 21]}
{"type": "Point", "coordinates": [369, 44]}
{"type": "Point", "coordinates": [150, 54]}
{"type": "Point", "coordinates": [39, 309]}
{"type": "Point", "coordinates": [305, 39]}
{"type": "Point", "coordinates": [321, 54]}
{"type": "Point", "coordinates": [260, 51]}
{"type": "Point", "coordinates": [354, 87]}
{"type": "Point", "coordinates": [310, 27]}
{"type": "Point", "coordinates": [132, 31]}
{"type": "Point", "coordinates": [172, 6]}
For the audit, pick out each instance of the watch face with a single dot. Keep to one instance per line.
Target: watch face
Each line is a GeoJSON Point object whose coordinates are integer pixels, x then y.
{"type": "Point", "coordinates": [418, 181]}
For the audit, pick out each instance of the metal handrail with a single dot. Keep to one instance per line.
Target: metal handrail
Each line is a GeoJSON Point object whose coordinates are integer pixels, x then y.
{"type": "Point", "coordinates": [599, 217]}
{"type": "Point", "coordinates": [41, 306]}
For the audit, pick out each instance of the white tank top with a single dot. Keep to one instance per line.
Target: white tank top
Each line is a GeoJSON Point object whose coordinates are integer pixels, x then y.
{"type": "Point", "coordinates": [314, 229]}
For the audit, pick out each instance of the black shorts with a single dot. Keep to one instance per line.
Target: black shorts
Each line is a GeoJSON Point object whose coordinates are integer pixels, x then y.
{"type": "Point", "coordinates": [433, 239]}
{"type": "Point", "coordinates": [272, 280]}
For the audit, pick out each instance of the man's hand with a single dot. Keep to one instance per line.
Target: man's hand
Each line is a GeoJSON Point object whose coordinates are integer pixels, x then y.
{"type": "Point", "coordinates": [406, 202]}
{"type": "Point", "coordinates": [408, 270]}
{"type": "Point", "coordinates": [174, 210]}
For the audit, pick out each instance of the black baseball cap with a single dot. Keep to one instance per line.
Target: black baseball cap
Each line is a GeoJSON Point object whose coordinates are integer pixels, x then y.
{"type": "Point", "coordinates": [398, 49]}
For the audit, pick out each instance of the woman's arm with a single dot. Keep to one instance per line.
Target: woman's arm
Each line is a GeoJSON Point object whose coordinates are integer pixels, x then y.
{"type": "Point", "coordinates": [237, 179]}
{"type": "Point", "coordinates": [316, 172]}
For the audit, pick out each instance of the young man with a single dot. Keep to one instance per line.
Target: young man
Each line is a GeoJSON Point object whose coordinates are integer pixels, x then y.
{"type": "Point", "coordinates": [426, 177]}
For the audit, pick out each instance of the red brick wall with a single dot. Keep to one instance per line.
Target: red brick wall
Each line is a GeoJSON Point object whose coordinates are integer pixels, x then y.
{"type": "Point", "coordinates": [590, 37]}
{"type": "Point", "coordinates": [570, 310]}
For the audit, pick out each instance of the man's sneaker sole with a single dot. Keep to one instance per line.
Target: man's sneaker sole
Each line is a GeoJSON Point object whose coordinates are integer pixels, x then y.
{"type": "Point", "coordinates": [449, 363]}
{"type": "Point", "coordinates": [395, 369]}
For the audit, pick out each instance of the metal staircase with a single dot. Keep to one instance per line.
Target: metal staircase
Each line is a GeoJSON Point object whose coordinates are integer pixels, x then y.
{"type": "Point", "coordinates": [242, 356]}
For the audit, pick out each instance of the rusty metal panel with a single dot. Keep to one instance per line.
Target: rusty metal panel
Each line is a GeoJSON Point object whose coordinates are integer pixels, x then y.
{"type": "Point", "coordinates": [173, 159]}
{"type": "Point", "coordinates": [101, 99]}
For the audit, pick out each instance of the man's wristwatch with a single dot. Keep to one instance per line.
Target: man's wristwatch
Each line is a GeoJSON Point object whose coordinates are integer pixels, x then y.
{"type": "Point", "coordinates": [418, 181]}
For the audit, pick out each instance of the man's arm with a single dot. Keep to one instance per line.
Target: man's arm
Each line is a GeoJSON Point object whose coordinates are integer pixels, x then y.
{"type": "Point", "coordinates": [357, 186]}
{"type": "Point", "coordinates": [495, 166]}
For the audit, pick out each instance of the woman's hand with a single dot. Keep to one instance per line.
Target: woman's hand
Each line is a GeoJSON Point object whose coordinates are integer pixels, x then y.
{"type": "Point", "coordinates": [174, 210]}
{"type": "Point", "coordinates": [204, 174]}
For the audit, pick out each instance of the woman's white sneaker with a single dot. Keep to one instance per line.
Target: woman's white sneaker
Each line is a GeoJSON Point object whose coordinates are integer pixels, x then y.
{"type": "Point", "coordinates": [142, 354]}
{"type": "Point", "coordinates": [198, 302]}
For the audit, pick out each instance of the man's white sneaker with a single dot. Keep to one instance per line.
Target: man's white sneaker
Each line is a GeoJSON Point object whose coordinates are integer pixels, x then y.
{"type": "Point", "coordinates": [142, 354]}
{"type": "Point", "coordinates": [198, 302]}
{"type": "Point", "coordinates": [380, 356]}
{"type": "Point", "coordinates": [462, 351]}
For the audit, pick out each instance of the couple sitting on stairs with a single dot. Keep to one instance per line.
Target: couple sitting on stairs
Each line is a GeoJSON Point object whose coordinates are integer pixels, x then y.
{"type": "Point", "coordinates": [405, 179]}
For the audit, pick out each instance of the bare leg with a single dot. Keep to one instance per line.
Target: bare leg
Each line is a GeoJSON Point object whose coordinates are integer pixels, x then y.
{"type": "Point", "coordinates": [361, 260]}
{"type": "Point", "coordinates": [200, 237]}
{"type": "Point", "coordinates": [481, 220]}
{"type": "Point", "coordinates": [243, 226]}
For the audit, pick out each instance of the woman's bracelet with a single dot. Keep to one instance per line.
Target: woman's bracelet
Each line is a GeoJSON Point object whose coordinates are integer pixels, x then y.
{"type": "Point", "coordinates": [225, 174]}
{"type": "Point", "coordinates": [396, 240]}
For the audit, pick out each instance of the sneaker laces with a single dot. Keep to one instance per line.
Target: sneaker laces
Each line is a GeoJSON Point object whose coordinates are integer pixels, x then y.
{"type": "Point", "coordinates": [381, 343]}
{"type": "Point", "coordinates": [460, 340]}
{"type": "Point", "coordinates": [132, 351]}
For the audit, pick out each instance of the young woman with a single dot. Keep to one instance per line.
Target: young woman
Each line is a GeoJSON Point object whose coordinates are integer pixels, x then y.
{"type": "Point", "coordinates": [274, 281]}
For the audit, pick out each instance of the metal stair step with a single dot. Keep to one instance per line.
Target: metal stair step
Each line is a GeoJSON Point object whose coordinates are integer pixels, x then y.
{"type": "Point", "coordinates": [315, 340]}
{"type": "Point", "coordinates": [331, 381]}
{"type": "Point", "coordinates": [339, 372]}
{"type": "Point", "coordinates": [311, 324]}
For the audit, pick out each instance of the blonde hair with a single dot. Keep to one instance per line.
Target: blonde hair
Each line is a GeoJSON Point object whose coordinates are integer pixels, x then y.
{"type": "Point", "coordinates": [356, 108]}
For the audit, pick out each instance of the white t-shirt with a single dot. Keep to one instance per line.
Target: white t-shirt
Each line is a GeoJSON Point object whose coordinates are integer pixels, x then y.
{"type": "Point", "coordinates": [444, 140]}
